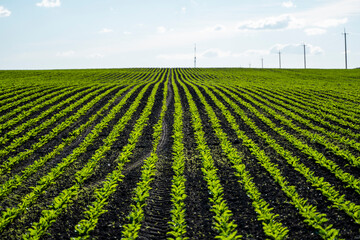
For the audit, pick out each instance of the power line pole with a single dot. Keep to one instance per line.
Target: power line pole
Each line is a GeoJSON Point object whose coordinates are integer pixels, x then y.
{"type": "Point", "coordinates": [345, 33]}
{"type": "Point", "coordinates": [279, 59]}
{"type": "Point", "coordinates": [262, 62]}
{"type": "Point", "coordinates": [304, 55]}
{"type": "Point", "coordinates": [195, 56]}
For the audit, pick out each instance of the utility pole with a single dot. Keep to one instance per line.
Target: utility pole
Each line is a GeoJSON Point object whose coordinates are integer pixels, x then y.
{"type": "Point", "coordinates": [279, 59]}
{"type": "Point", "coordinates": [195, 56]}
{"type": "Point", "coordinates": [262, 62]}
{"type": "Point", "coordinates": [304, 55]}
{"type": "Point", "coordinates": [345, 33]}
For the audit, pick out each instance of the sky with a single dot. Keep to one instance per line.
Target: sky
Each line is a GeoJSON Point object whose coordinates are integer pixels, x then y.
{"type": "Point", "coordinates": [67, 34]}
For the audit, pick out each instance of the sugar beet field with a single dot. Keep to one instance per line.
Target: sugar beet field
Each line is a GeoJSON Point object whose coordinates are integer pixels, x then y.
{"type": "Point", "coordinates": [180, 154]}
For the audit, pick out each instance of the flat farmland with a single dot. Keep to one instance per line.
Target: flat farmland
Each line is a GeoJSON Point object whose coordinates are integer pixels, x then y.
{"type": "Point", "coordinates": [180, 153]}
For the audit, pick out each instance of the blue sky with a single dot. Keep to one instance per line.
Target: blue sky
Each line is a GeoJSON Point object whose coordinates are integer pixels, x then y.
{"type": "Point", "coordinates": [53, 34]}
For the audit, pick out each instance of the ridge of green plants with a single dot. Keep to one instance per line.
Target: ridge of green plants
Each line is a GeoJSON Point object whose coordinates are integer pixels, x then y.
{"type": "Point", "coordinates": [17, 180]}
{"type": "Point", "coordinates": [222, 223]}
{"type": "Point", "coordinates": [33, 132]}
{"type": "Point", "coordinates": [320, 184]}
{"type": "Point", "coordinates": [178, 193]}
{"type": "Point", "coordinates": [319, 158]}
{"type": "Point", "coordinates": [65, 198]}
{"type": "Point", "coordinates": [271, 226]}
{"type": "Point", "coordinates": [148, 171]}
{"type": "Point", "coordinates": [11, 213]}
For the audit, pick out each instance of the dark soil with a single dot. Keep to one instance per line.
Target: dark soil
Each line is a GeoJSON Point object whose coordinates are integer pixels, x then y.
{"type": "Point", "coordinates": [343, 163]}
{"type": "Point", "coordinates": [66, 180]}
{"type": "Point", "coordinates": [198, 215]}
{"type": "Point", "coordinates": [157, 210]}
{"type": "Point", "coordinates": [238, 202]}
{"type": "Point", "coordinates": [110, 224]}
{"type": "Point", "coordinates": [305, 189]}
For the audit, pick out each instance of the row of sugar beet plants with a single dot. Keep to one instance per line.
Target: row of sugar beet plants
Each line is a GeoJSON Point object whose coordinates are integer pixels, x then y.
{"type": "Point", "coordinates": [112, 180]}
{"type": "Point", "coordinates": [326, 188]}
{"type": "Point", "coordinates": [27, 109]}
{"type": "Point", "coordinates": [6, 166]}
{"type": "Point", "coordinates": [79, 92]}
{"type": "Point", "coordinates": [319, 158]}
{"type": "Point", "coordinates": [321, 104]}
{"type": "Point", "coordinates": [222, 223]}
{"type": "Point", "coordinates": [315, 137]}
{"type": "Point", "coordinates": [67, 196]}
{"type": "Point", "coordinates": [332, 136]}
{"type": "Point", "coordinates": [311, 215]}
{"type": "Point", "coordinates": [333, 109]}
{"type": "Point", "coordinates": [319, 118]}
{"type": "Point", "coordinates": [54, 132]}
{"type": "Point", "coordinates": [38, 128]}
{"type": "Point", "coordinates": [148, 171]}
{"type": "Point", "coordinates": [18, 179]}
{"type": "Point", "coordinates": [46, 181]}
{"type": "Point", "coordinates": [348, 105]}
{"type": "Point", "coordinates": [343, 139]}
{"type": "Point", "coordinates": [178, 194]}
{"type": "Point", "coordinates": [33, 93]}
{"type": "Point", "coordinates": [271, 226]}
{"type": "Point", "coordinates": [12, 93]}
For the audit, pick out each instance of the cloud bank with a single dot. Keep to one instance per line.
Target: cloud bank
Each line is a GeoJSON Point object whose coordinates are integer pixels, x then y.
{"type": "Point", "coordinates": [271, 23]}
{"type": "Point", "coordinates": [296, 49]}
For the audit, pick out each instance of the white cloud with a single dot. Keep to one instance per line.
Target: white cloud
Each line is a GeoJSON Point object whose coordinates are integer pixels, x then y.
{"type": "Point", "coordinates": [314, 50]}
{"type": "Point", "coordinates": [106, 30]}
{"type": "Point", "coordinates": [288, 4]}
{"type": "Point", "coordinates": [323, 17]}
{"type": "Point", "coordinates": [127, 33]}
{"type": "Point", "coordinates": [312, 19]}
{"type": "Point", "coordinates": [272, 23]}
{"type": "Point", "coordinates": [314, 31]}
{"type": "Point", "coordinates": [296, 49]}
{"type": "Point", "coordinates": [161, 29]}
{"type": "Point", "coordinates": [65, 54]}
{"type": "Point", "coordinates": [331, 22]}
{"type": "Point", "coordinates": [183, 10]}
{"type": "Point", "coordinates": [49, 3]}
{"type": "Point", "coordinates": [4, 12]}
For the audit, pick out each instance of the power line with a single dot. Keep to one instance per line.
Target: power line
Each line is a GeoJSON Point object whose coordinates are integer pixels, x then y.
{"type": "Point", "coordinates": [304, 45]}
{"type": "Point", "coordinates": [195, 56]}
{"type": "Point", "coordinates": [279, 59]}
{"type": "Point", "coordinates": [345, 33]}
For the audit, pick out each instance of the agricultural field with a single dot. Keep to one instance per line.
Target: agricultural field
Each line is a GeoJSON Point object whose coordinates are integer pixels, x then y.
{"type": "Point", "coordinates": [183, 153]}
